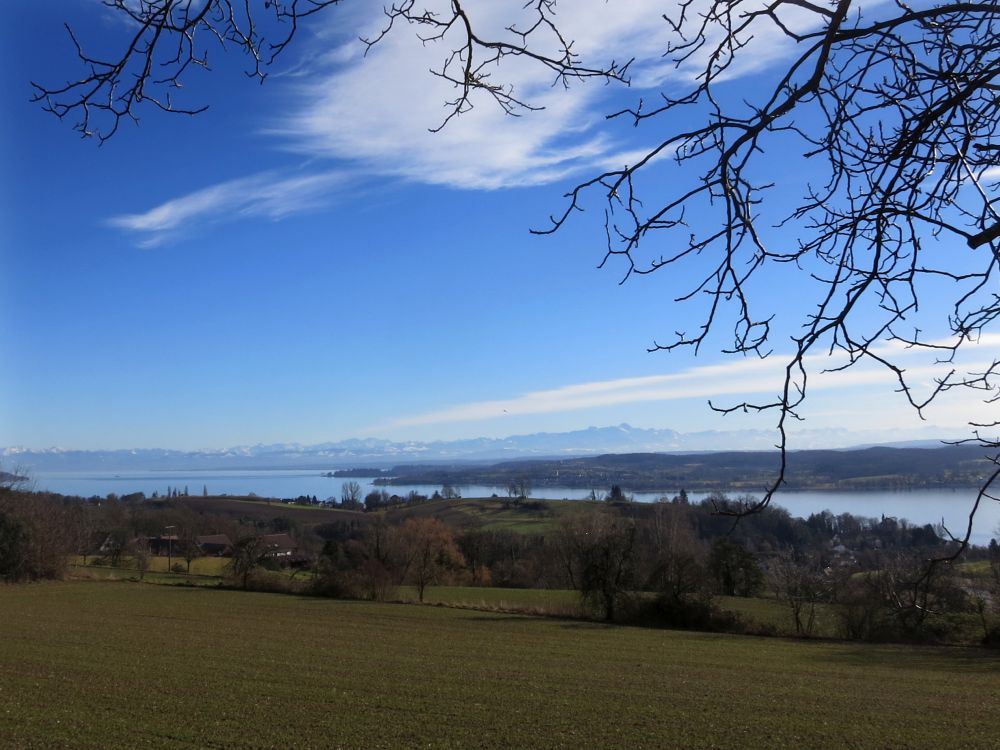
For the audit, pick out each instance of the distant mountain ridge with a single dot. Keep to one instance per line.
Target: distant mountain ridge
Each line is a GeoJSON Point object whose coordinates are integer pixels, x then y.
{"type": "Point", "coordinates": [383, 453]}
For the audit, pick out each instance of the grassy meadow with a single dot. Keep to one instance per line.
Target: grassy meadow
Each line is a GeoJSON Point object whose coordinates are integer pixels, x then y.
{"type": "Point", "coordinates": [200, 566]}
{"type": "Point", "coordinates": [763, 612]}
{"type": "Point", "coordinates": [758, 611]}
{"type": "Point", "coordinates": [547, 601]}
{"type": "Point", "coordinates": [210, 571]}
{"type": "Point", "coordinates": [124, 665]}
{"type": "Point", "coordinates": [493, 514]}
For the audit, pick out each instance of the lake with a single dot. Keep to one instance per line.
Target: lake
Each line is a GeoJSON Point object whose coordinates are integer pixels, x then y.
{"type": "Point", "coordinates": [917, 506]}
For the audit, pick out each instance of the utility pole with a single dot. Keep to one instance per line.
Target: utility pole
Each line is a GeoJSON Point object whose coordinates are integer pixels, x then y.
{"type": "Point", "coordinates": [169, 545]}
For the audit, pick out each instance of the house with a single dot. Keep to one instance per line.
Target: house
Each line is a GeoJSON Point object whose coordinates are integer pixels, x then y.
{"type": "Point", "coordinates": [279, 545]}
{"type": "Point", "coordinates": [163, 545]}
{"type": "Point", "coordinates": [840, 555]}
{"type": "Point", "coordinates": [214, 545]}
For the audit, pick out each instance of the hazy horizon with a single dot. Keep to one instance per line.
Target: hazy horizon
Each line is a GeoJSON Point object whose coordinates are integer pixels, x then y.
{"type": "Point", "coordinates": [731, 440]}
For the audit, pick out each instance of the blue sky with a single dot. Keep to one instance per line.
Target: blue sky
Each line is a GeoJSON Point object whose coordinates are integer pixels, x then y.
{"type": "Point", "coordinates": [306, 262]}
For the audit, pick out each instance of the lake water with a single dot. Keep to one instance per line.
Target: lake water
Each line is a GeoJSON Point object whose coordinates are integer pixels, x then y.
{"type": "Point", "coordinates": [917, 506]}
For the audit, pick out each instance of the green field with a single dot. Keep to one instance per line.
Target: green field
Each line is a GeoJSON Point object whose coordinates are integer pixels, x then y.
{"type": "Point", "coordinates": [756, 611]}
{"type": "Point", "coordinates": [762, 614]}
{"type": "Point", "coordinates": [200, 566]}
{"type": "Point", "coordinates": [530, 517]}
{"type": "Point", "coordinates": [121, 665]}
{"type": "Point", "coordinates": [548, 601]}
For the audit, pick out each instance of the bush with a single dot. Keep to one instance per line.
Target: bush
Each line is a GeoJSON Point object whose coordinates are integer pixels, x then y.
{"type": "Point", "coordinates": [891, 604]}
{"type": "Point", "coordinates": [266, 583]}
{"type": "Point", "coordinates": [992, 637]}
{"type": "Point", "coordinates": [736, 570]}
{"type": "Point", "coordinates": [178, 568]}
{"type": "Point", "coordinates": [861, 620]}
{"type": "Point", "coordinates": [36, 537]}
{"type": "Point", "coordinates": [688, 613]}
{"type": "Point", "coordinates": [332, 581]}
{"type": "Point", "coordinates": [879, 623]}
{"type": "Point", "coordinates": [368, 579]}
{"type": "Point", "coordinates": [14, 547]}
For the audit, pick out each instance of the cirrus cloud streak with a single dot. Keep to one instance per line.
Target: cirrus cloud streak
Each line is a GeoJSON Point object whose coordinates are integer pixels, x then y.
{"type": "Point", "coordinates": [266, 195]}
{"type": "Point", "coordinates": [744, 379]}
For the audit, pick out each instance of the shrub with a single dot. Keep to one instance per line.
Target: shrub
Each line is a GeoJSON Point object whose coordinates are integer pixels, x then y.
{"type": "Point", "coordinates": [267, 583]}
{"type": "Point", "coordinates": [367, 579]}
{"type": "Point", "coordinates": [992, 637]}
{"type": "Point", "coordinates": [689, 613]}
{"type": "Point", "coordinates": [36, 537]}
{"type": "Point", "coordinates": [14, 546]}
{"type": "Point", "coordinates": [332, 581]}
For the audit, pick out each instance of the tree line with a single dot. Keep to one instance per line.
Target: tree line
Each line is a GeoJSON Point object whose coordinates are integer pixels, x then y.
{"type": "Point", "coordinates": [665, 563]}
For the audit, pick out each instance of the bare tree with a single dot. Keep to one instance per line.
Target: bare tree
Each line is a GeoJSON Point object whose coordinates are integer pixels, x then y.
{"type": "Point", "coordinates": [141, 555]}
{"type": "Point", "coordinates": [802, 585]}
{"type": "Point", "coordinates": [37, 536]}
{"type": "Point", "coordinates": [676, 555]}
{"type": "Point", "coordinates": [994, 564]}
{"type": "Point", "coordinates": [598, 553]}
{"type": "Point", "coordinates": [987, 599]}
{"type": "Point", "coordinates": [890, 110]}
{"type": "Point", "coordinates": [249, 553]}
{"type": "Point", "coordinates": [383, 559]}
{"type": "Point", "coordinates": [170, 40]}
{"type": "Point", "coordinates": [116, 545]}
{"type": "Point", "coordinates": [519, 489]}
{"type": "Point", "coordinates": [350, 494]}
{"type": "Point", "coordinates": [83, 523]}
{"type": "Point", "coordinates": [430, 551]}
{"type": "Point", "coordinates": [188, 525]}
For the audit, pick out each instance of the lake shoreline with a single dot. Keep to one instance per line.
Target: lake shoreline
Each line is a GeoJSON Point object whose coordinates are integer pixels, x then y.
{"type": "Point", "coordinates": [917, 505]}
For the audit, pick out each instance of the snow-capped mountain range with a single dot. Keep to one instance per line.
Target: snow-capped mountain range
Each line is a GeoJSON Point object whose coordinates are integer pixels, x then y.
{"type": "Point", "coordinates": [378, 453]}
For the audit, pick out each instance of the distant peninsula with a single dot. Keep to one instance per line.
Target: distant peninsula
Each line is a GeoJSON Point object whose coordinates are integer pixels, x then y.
{"type": "Point", "coordinates": [359, 472]}
{"type": "Point", "coordinates": [878, 468]}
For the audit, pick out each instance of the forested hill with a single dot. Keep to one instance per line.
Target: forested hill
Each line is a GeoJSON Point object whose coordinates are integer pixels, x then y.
{"type": "Point", "coordinates": [870, 468]}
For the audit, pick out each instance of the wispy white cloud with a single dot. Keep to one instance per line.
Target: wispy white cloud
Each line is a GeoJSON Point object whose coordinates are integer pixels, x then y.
{"type": "Point", "coordinates": [748, 378]}
{"type": "Point", "coordinates": [267, 194]}
{"type": "Point", "coordinates": [375, 112]}
{"type": "Point", "coordinates": [372, 114]}
{"type": "Point", "coordinates": [378, 109]}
